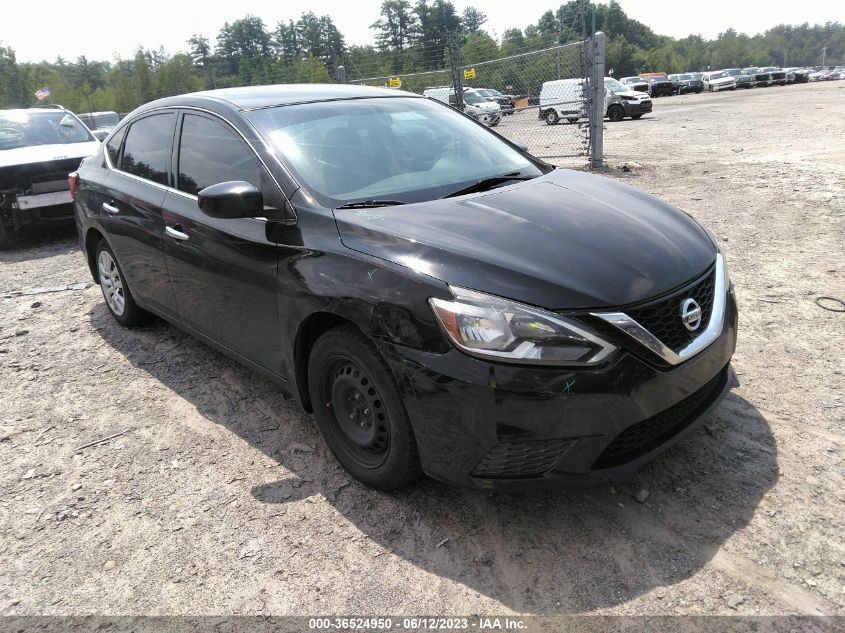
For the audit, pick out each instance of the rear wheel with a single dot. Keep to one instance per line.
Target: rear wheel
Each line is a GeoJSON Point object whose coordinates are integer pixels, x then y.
{"type": "Point", "coordinates": [359, 410]}
{"type": "Point", "coordinates": [119, 299]}
{"type": "Point", "coordinates": [3, 235]}
{"type": "Point", "coordinates": [615, 113]}
{"type": "Point", "coordinates": [551, 117]}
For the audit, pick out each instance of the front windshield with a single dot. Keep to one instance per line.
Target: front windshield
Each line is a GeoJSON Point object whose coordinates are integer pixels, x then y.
{"type": "Point", "coordinates": [473, 98]}
{"type": "Point", "coordinates": [614, 86]}
{"type": "Point", "coordinates": [397, 148]}
{"type": "Point", "coordinates": [717, 76]}
{"type": "Point", "coordinates": [40, 127]}
{"type": "Point", "coordinates": [487, 93]}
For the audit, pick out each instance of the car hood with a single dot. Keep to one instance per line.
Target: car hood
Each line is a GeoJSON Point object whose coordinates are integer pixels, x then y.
{"type": "Point", "coordinates": [566, 240]}
{"type": "Point", "coordinates": [632, 93]}
{"type": "Point", "coordinates": [47, 153]}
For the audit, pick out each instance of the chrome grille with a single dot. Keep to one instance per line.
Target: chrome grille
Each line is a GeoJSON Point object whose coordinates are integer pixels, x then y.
{"type": "Point", "coordinates": [662, 318]}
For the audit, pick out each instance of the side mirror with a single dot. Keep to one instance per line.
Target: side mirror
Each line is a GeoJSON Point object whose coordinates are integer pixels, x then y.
{"type": "Point", "coordinates": [231, 200]}
{"type": "Point", "coordinates": [100, 135]}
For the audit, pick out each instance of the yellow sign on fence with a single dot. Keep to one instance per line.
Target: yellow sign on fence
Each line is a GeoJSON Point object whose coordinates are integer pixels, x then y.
{"type": "Point", "coordinates": [394, 82]}
{"type": "Point", "coordinates": [469, 73]}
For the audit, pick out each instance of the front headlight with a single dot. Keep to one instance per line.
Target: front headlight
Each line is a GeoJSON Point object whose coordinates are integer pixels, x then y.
{"type": "Point", "coordinates": [491, 327]}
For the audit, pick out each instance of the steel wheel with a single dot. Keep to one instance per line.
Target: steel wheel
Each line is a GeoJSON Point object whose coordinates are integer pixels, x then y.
{"type": "Point", "coordinates": [357, 409]}
{"type": "Point", "coordinates": [111, 283]}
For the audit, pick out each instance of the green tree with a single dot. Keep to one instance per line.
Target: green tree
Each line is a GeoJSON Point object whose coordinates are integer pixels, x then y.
{"type": "Point", "coordinates": [473, 20]}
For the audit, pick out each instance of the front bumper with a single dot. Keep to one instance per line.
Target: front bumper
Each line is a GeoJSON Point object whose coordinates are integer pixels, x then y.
{"type": "Point", "coordinates": [633, 108]}
{"type": "Point", "coordinates": [506, 427]}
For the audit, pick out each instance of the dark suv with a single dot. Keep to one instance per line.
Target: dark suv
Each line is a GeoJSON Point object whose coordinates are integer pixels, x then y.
{"type": "Point", "coordinates": [442, 301]}
{"type": "Point", "coordinates": [660, 86]}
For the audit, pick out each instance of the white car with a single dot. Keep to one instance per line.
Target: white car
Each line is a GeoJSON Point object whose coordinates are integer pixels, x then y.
{"type": "Point", "coordinates": [564, 99]}
{"type": "Point", "coordinates": [39, 147]}
{"type": "Point", "coordinates": [475, 104]}
{"type": "Point", "coordinates": [718, 80]}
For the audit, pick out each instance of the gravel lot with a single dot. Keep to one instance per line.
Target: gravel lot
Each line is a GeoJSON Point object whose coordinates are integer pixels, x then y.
{"type": "Point", "coordinates": [221, 498]}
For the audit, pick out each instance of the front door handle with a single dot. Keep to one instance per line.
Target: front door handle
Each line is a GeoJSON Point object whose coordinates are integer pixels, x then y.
{"type": "Point", "coordinates": [110, 208]}
{"type": "Point", "coordinates": [175, 233]}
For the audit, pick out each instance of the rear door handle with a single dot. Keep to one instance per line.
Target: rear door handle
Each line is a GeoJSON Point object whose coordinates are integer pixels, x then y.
{"type": "Point", "coordinates": [110, 208]}
{"type": "Point", "coordinates": [176, 234]}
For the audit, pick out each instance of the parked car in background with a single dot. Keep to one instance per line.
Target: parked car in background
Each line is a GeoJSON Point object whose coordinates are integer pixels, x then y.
{"type": "Point", "coordinates": [660, 86]}
{"type": "Point", "coordinates": [636, 84]}
{"type": "Point", "coordinates": [743, 79]}
{"type": "Point", "coordinates": [686, 82]}
{"type": "Point", "coordinates": [100, 123]}
{"type": "Point", "coordinates": [718, 80]}
{"type": "Point", "coordinates": [564, 99]}
{"type": "Point", "coordinates": [462, 309]}
{"type": "Point", "coordinates": [475, 105]}
{"type": "Point", "coordinates": [759, 76]}
{"type": "Point", "coordinates": [621, 101]}
{"type": "Point", "coordinates": [506, 102]}
{"type": "Point", "coordinates": [39, 147]}
{"type": "Point", "coordinates": [777, 76]}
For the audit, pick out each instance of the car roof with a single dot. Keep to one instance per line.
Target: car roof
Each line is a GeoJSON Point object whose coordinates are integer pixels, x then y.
{"type": "Point", "coordinates": [253, 97]}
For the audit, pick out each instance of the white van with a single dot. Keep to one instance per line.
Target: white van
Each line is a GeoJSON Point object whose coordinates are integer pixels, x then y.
{"type": "Point", "coordinates": [565, 99]}
{"type": "Point", "coordinates": [475, 105]}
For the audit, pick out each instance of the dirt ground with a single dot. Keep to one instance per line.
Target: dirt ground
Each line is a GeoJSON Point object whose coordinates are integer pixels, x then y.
{"type": "Point", "coordinates": [220, 497]}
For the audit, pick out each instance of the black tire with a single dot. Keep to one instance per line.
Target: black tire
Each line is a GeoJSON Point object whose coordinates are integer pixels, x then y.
{"type": "Point", "coordinates": [4, 237]}
{"type": "Point", "coordinates": [359, 410]}
{"type": "Point", "coordinates": [131, 315]}
{"type": "Point", "coordinates": [637, 116]}
{"type": "Point", "coordinates": [572, 120]}
{"type": "Point", "coordinates": [615, 113]}
{"type": "Point", "coordinates": [551, 117]}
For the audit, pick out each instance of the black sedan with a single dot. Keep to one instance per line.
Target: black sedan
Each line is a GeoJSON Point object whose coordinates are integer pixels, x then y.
{"type": "Point", "coordinates": [440, 300]}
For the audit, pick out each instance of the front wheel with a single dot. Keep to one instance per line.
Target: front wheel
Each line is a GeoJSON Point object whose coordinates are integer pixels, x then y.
{"type": "Point", "coordinates": [551, 117]}
{"type": "Point", "coordinates": [359, 410]}
{"type": "Point", "coordinates": [119, 299]}
{"type": "Point", "coordinates": [615, 113]}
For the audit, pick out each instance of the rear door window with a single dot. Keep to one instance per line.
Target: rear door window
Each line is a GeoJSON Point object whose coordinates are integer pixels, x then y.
{"type": "Point", "coordinates": [211, 152]}
{"type": "Point", "coordinates": [147, 147]}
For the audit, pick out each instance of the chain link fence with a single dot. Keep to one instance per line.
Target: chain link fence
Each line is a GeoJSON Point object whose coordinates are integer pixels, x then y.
{"type": "Point", "coordinates": [539, 99]}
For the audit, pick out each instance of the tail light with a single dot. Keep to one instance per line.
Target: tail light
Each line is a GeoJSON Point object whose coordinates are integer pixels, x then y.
{"type": "Point", "coordinates": [73, 181]}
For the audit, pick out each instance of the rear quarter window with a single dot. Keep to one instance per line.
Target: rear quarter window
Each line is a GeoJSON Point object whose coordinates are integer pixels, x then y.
{"type": "Point", "coordinates": [147, 147]}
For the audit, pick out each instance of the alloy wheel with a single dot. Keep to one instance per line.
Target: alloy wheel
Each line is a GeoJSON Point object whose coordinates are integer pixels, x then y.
{"type": "Point", "coordinates": [111, 283]}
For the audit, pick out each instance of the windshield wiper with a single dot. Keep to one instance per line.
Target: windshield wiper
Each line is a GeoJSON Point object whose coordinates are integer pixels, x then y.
{"type": "Point", "coordinates": [370, 204]}
{"type": "Point", "coordinates": [488, 183]}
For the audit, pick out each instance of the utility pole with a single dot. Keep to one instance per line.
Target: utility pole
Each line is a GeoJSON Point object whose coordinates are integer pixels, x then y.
{"type": "Point", "coordinates": [455, 62]}
{"type": "Point", "coordinates": [824, 54]}
{"type": "Point", "coordinates": [559, 38]}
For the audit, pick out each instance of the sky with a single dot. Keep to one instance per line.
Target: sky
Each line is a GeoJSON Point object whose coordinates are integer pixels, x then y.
{"type": "Point", "coordinates": [105, 30]}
